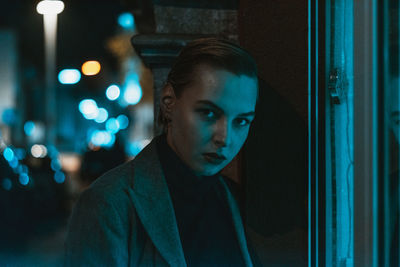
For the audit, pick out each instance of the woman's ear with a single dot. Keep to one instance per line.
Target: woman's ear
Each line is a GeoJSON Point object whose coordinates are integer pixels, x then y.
{"type": "Point", "coordinates": [168, 100]}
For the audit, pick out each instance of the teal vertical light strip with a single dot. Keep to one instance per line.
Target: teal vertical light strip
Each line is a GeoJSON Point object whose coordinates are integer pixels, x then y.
{"type": "Point", "coordinates": [309, 137]}
{"type": "Point", "coordinates": [316, 136]}
{"type": "Point", "coordinates": [398, 106]}
{"type": "Point", "coordinates": [350, 124]}
{"type": "Point", "coordinates": [385, 133]}
{"type": "Point", "coordinates": [374, 135]}
{"type": "Point", "coordinates": [328, 148]}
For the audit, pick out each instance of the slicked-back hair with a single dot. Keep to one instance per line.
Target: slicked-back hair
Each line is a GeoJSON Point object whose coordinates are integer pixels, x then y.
{"type": "Point", "coordinates": [215, 52]}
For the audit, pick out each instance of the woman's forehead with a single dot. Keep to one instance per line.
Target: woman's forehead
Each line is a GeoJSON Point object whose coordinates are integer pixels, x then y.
{"type": "Point", "coordinates": [222, 88]}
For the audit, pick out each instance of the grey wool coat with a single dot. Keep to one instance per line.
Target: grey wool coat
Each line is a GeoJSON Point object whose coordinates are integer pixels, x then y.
{"type": "Point", "coordinates": [126, 218]}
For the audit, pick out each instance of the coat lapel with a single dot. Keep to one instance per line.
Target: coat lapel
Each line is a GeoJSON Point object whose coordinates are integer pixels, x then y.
{"type": "Point", "coordinates": [154, 206]}
{"type": "Point", "coordinates": [237, 223]}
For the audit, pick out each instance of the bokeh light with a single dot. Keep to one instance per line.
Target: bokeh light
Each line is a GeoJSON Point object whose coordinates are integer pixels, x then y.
{"type": "Point", "coordinates": [134, 148]}
{"type": "Point", "coordinates": [8, 154]}
{"type": "Point", "coordinates": [29, 128]}
{"type": "Point", "coordinates": [20, 153]}
{"type": "Point", "coordinates": [9, 116]}
{"type": "Point", "coordinates": [69, 76]}
{"type": "Point", "coordinates": [89, 109]}
{"type": "Point", "coordinates": [14, 163]}
{"type": "Point", "coordinates": [38, 151]}
{"type": "Point", "coordinates": [23, 179]}
{"type": "Point", "coordinates": [112, 125]}
{"type": "Point", "coordinates": [126, 21]}
{"type": "Point", "coordinates": [113, 92]}
{"type": "Point", "coordinates": [22, 169]}
{"type": "Point", "coordinates": [102, 115]}
{"type": "Point", "coordinates": [133, 93]}
{"type": "Point", "coordinates": [102, 138]}
{"type": "Point", "coordinates": [55, 165]}
{"type": "Point", "coordinates": [59, 177]}
{"type": "Point", "coordinates": [123, 121]}
{"type": "Point", "coordinates": [91, 67]}
{"type": "Point", "coordinates": [52, 151]}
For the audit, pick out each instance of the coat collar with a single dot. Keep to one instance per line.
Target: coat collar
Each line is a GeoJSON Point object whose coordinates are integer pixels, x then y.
{"type": "Point", "coordinates": [154, 207]}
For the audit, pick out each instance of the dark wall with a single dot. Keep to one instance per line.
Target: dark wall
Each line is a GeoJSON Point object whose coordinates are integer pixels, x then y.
{"type": "Point", "coordinates": [275, 32]}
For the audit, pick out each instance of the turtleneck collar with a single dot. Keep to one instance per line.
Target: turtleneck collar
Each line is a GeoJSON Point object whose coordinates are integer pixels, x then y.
{"type": "Point", "coordinates": [178, 174]}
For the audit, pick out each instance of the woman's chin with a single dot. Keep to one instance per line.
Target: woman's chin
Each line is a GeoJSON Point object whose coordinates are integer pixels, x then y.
{"type": "Point", "coordinates": [208, 171]}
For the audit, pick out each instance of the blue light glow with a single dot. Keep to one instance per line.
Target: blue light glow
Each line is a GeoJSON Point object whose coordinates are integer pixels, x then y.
{"type": "Point", "coordinates": [7, 184]}
{"type": "Point", "coordinates": [69, 76]}
{"type": "Point", "coordinates": [113, 92]}
{"type": "Point", "coordinates": [134, 148]}
{"type": "Point", "coordinates": [20, 153]}
{"type": "Point", "coordinates": [14, 163]}
{"type": "Point", "coordinates": [126, 21]}
{"type": "Point", "coordinates": [133, 93]}
{"type": "Point", "coordinates": [89, 109]}
{"type": "Point", "coordinates": [112, 125]}
{"type": "Point", "coordinates": [59, 177]}
{"type": "Point", "coordinates": [102, 138]}
{"type": "Point", "coordinates": [23, 179]}
{"type": "Point", "coordinates": [9, 116]}
{"type": "Point", "coordinates": [8, 154]}
{"type": "Point", "coordinates": [52, 151]}
{"type": "Point", "coordinates": [29, 128]}
{"type": "Point", "coordinates": [123, 121]}
{"type": "Point", "coordinates": [102, 116]}
{"type": "Point", "coordinates": [55, 165]}
{"type": "Point", "coordinates": [22, 169]}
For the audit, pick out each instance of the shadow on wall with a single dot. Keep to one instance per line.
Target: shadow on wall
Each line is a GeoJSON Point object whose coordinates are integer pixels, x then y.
{"type": "Point", "coordinates": [276, 184]}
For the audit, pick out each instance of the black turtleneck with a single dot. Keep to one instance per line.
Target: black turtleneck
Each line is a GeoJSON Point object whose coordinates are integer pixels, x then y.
{"type": "Point", "coordinates": [202, 213]}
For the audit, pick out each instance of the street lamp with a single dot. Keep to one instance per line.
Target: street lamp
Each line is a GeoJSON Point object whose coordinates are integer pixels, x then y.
{"type": "Point", "coordinates": [50, 9]}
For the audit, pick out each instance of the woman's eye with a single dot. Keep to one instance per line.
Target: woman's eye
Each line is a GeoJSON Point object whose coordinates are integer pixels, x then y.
{"type": "Point", "coordinates": [209, 114]}
{"type": "Point", "coordinates": [243, 122]}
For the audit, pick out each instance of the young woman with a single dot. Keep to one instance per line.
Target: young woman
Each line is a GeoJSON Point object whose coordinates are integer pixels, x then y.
{"type": "Point", "coordinates": [170, 206]}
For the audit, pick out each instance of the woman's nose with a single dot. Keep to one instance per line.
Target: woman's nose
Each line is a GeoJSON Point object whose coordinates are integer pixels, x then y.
{"type": "Point", "coordinates": [222, 133]}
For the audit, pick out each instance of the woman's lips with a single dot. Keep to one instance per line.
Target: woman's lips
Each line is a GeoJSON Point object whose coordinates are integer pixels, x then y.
{"type": "Point", "coordinates": [214, 158]}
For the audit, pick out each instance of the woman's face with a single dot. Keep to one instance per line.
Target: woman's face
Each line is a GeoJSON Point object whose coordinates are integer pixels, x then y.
{"type": "Point", "coordinates": [210, 120]}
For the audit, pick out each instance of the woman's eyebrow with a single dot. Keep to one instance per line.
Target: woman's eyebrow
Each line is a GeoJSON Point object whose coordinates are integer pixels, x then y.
{"type": "Point", "coordinates": [248, 114]}
{"type": "Point", "coordinates": [214, 106]}
{"type": "Point", "coordinates": [209, 103]}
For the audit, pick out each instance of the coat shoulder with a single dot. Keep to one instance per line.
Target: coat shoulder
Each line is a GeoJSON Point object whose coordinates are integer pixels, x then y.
{"type": "Point", "coordinates": [114, 182]}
